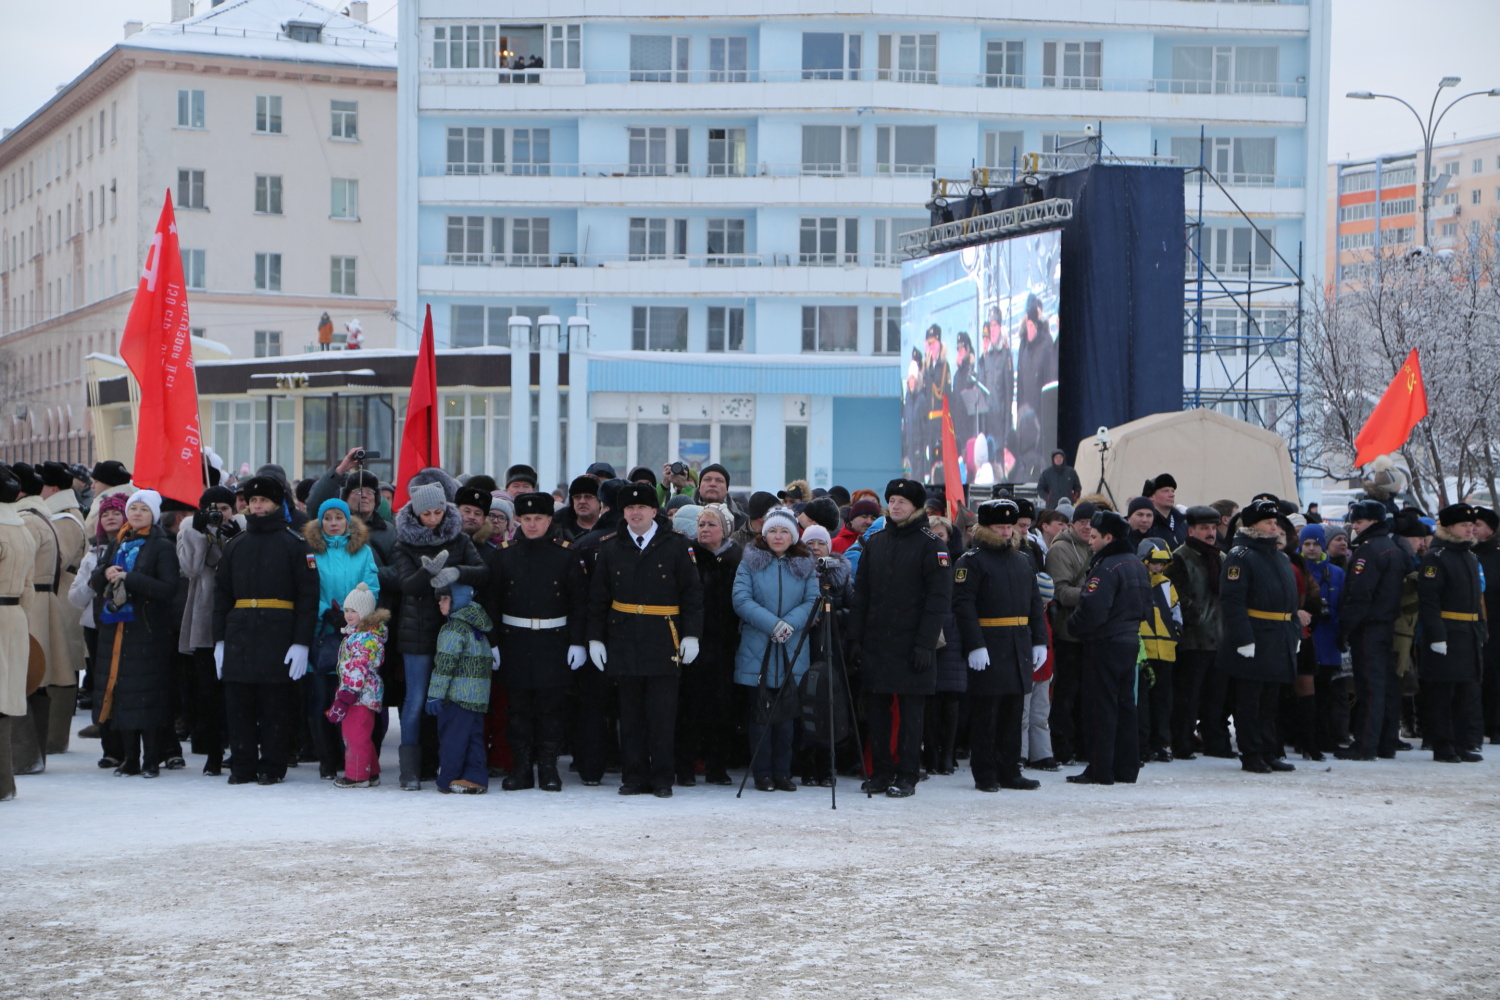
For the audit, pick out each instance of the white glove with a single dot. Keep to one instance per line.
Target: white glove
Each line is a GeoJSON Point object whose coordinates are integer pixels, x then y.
{"type": "Point", "coordinates": [689, 649]}
{"type": "Point", "coordinates": [495, 657]}
{"type": "Point", "coordinates": [979, 659]}
{"type": "Point", "coordinates": [576, 657]}
{"type": "Point", "coordinates": [597, 653]}
{"type": "Point", "coordinates": [1440, 648]}
{"type": "Point", "coordinates": [296, 659]}
{"type": "Point", "coordinates": [1038, 657]}
{"type": "Point", "coordinates": [1246, 651]}
{"type": "Point", "coordinates": [782, 632]}
{"type": "Point", "coordinates": [219, 659]}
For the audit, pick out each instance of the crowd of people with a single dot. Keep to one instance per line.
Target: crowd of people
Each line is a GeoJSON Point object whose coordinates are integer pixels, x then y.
{"type": "Point", "coordinates": [665, 628]}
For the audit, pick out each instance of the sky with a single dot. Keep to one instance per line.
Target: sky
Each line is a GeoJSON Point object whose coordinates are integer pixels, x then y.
{"type": "Point", "coordinates": [1373, 49]}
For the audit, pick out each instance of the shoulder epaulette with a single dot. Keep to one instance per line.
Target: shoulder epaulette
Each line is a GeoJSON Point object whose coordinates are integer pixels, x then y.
{"type": "Point", "coordinates": [505, 544]}
{"type": "Point", "coordinates": [563, 542]}
{"type": "Point", "coordinates": [1238, 550]}
{"type": "Point", "coordinates": [931, 534]}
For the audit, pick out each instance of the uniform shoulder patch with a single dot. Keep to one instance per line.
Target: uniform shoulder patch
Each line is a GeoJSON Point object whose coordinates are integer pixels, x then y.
{"type": "Point", "coordinates": [1429, 571]}
{"type": "Point", "coordinates": [943, 558]}
{"type": "Point", "coordinates": [312, 561]}
{"type": "Point", "coordinates": [1359, 565]}
{"type": "Point", "coordinates": [1092, 585]}
{"type": "Point", "coordinates": [690, 551]}
{"type": "Point", "coordinates": [961, 575]}
{"type": "Point", "coordinates": [1234, 573]}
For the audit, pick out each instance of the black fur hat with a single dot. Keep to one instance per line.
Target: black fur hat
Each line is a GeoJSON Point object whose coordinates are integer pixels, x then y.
{"type": "Point", "coordinates": [534, 503]}
{"type": "Point", "coordinates": [468, 496]}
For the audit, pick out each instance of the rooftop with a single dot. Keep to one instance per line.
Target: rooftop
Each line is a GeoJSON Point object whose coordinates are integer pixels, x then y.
{"type": "Point", "coordinates": [265, 29]}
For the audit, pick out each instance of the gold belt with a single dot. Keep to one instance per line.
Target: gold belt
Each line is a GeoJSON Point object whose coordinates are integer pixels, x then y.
{"type": "Point", "coordinates": [663, 610]}
{"type": "Point", "coordinates": [1002, 622]}
{"type": "Point", "coordinates": [1269, 616]}
{"type": "Point", "coordinates": [265, 602]}
{"type": "Point", "coordinates": [1458, 616]}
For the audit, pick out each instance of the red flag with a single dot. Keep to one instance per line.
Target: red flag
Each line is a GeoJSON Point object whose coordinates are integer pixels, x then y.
{"type": "Point", "coordinates": [1390, 423]}
{"type": "Point", "coordinates": [157, 345]}
{"type": "Point", "coordinates": [953, 483]}
{"type": "Point", "coordinates": [419, 438]}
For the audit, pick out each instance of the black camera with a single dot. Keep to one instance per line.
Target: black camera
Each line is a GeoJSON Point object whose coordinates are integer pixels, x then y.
{"type": "Point", "coordinates": [679, 469]}
{"type": "Point", "coordinates": [215, 516]}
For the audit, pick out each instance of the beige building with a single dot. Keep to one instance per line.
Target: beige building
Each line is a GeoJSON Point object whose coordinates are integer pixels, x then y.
{"type": "Point", "coordinates": [272, 122]}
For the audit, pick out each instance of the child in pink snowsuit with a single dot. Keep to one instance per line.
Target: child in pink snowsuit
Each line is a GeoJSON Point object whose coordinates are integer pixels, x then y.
{"type": "Point", "coordinates": [361, 690]}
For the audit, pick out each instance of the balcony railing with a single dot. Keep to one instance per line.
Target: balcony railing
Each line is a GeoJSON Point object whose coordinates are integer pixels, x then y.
{"type": "Point", "coordinates": [898, 170]}
{"type": "Point", "coordinates": [812, 259]}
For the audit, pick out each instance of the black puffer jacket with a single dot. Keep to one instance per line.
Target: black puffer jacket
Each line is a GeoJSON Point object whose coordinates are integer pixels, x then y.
{"type": "Point", "coordinates": [721, 626]}
{"type": "Point", "coordinates": [144, 680]}
{"type": "Point", "coordinates": [903, 587]}
{"type": "Point", "coordinates": [420, 618]}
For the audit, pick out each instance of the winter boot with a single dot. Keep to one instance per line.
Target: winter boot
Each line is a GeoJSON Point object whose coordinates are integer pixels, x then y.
{"type": "Point", "coordinates": [521, 772]}
{"type": "Point", "coordinates": [7, 779]}
{"type": "Point", "coordinates": [1305, 716]}
{"type": "Point", "coordinates": [410, 758]}
{"type": "Point", "coordinates": [60, 728]}
{"type": "Point", "coordinates": [546, 768]}
{"type": "Point", "coordinates": [26, 750]}
{"type": "Point", "coordinates": [1254, 763]}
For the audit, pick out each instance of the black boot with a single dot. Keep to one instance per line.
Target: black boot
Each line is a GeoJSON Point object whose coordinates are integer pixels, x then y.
{"type": "Point", "coordinates": [1254, 763]}
{"type": "Point", "coordinates": [1305, 716]}
{"type": "Point", "coordinates": [521, 774]}
{"type": "Point", "coordinates": [546, 768]}
{"type": "Point", "coordinates": [410, 758]}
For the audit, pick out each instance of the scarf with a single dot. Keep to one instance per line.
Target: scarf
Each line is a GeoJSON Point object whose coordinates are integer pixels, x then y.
{"type": "Point", "coordinates": [125, 557]}
{"type": "Point", "coordinates": [1214, 557]}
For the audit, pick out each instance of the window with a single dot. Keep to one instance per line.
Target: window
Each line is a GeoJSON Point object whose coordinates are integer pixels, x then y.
{"type": "Point", "coordinates": [1450, 229]}
{"type": "Point", "coordinates": [830, 150]}
{"type": "Point", "coordinates": [466, 150]}
{"type": "Point", "coordinates": [1069, 150]}
{"type": "Point", "coordinates": [658, 328]}
{"type": "Point", "coordinates": [342, 276]}
{"type": "Point", "coordinates": [481, 326]}
{"type": "Point", "coordinates": [1071, 65]}
{"type": "Point", "coordinates": [345, 119]}
{"type": "Point", "coordinates": [195, 268]}
{"type": "Point", "coordinates": [458, 46]}
{"type": "Point", "coordinates": [565, 46]}
{"type": "Point", "coordinates": [344, 199]}
{"type": "Point", "coordinates": [828, 241]}
{"type": "Point", "coordinates": [189, 112]}
{"type": "Point", "coordinates": [726, 152]}
{"type": "Point", "coordinates": [530, 241]}
{"type": "Point", "coordinates": [1354, 213]}
{"type": "Point", "coordinates": [1450, 198]}
{"type": "Point", "coordinates": [530, 152]}
{"type": "Point", "coordinates": [726, 328]}
{"type": "Point", "coordinates": [908, 58]}
{"type": "Point", "coordinates": [267, 344]}
{"type": "Point", "coordinates": [1247, 161]}
{"type": "Point", "coordinates": [189, 192]}
{"type": "Point", "coordinates": [304, 31]}
{"type": "Point", "coordinates": [1224, 69]}
{"type": "Point", "coordinates": [830, 328]}
{"type": "Point", "coordinates": [887, 239]}
{"type": "Point", "coordinates": [267, 194]}
{"type": "Point", "coordinates": [734, 451]}
{"type": "Point", "coordinates": [1477, 167]}
{"type": "Point", "coordinates": [1238, 250]}
{"type": "Point", "coordinates": [612, 443]}
{"type": "Point", "coordinates": [657, 239]}
{"type": "Point", "coordinates": [831, 55]}
{"type": "Point", "coordinates": [1475, 196]}
{"type": "Point", "coordinates": [1401, 206]}
{"type": "Point", "coordinates": [887, 330]}
{"type": "Point", "coordinates": [906, 149]}
{"type": "Point", "coordinates": [268, 273]}
{"type": "Point", "coordinates": [658, 58]}
{"type": "Point", "coordinates": [726, 242]}
{"type": "Point", "coordinates": [727, 59]}
{"type": "Point", "coordinates": [466, 239]}
{"type": "Point", "coordinates": [657, 150]}
{"type": "Point", "coordinates": [1002, 150]}
{"type": "Point", "coordinates": [1005, 63]}
{"type": "Point", "coordinates": [268, 114]}
{"type": "Point", "coordinates": [1450, 168]}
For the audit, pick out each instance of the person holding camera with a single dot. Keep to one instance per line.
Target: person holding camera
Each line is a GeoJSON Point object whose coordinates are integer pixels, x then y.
{"type": "Point", "coordinates": [200, 546]}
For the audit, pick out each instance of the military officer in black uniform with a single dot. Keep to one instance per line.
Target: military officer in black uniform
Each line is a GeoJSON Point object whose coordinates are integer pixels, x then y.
{"type": "Point", "coordinates": [1453, 631]}
{"type": "Point", "coordinates": [1368, 609]}
{"type": "Point", "coordinates": [645, 619]}
{"type": "Point", "coordinates": [1000, 617]}
{"type": "Point", "coordinates": [265, 606]}
{"type": "Point", "coordinates": [1258, 602]}
{"type": "Point", "coordinates": [1113, 601]}
{"type": "Point", "coordinates": [539, 602]}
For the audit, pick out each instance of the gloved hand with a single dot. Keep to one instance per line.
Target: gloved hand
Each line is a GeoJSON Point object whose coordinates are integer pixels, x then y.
{"type": "Point", "coordinates": [923, 660]}
{"type": "Point", "coordinates": [1038, 657]}
{"type": "Point", "coordinates": [1440, 648]}
{"type": "Point", "coordinates": [1246, 651]}
{"type": "Point", "coordinates": [200, 522]}
{"type": "Point", "coordinates": [432, 564]}
{"type": "Point", "coordinates": [341, 705]}
{"type": "Point", "coordinates": [444, 577]}
{"type": "Point", "coordinates": [597, 653]}
{"type": "Point", "coordinates": [782, 632]}
{"type": "Point", "coordinates": [979, 658]}
{"type": "Point", "coordinates": [296, 661]}
{"type": "Point", "coordinates": [219, 659]}
{"type": "Point", "coordinates": [229, 528]}
{"type": "Point", "coordinates": [577, 655]}
{"type": "Point", "coordinates": [494, 657]}
{"type": "Point", "coordinates": [1046, 586]}
{"type": "Point", "coordinates": [688, 650]}
{"type": "Point", "coordinates": [433, 705]}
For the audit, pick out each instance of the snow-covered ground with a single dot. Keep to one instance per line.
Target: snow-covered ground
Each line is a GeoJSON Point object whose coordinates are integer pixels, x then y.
{"type": "Point", "coordinates": [1341, 880]}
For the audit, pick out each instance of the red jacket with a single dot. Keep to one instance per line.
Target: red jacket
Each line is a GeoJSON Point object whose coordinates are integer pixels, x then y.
{"type": "Point", "coordinates": [844, 539]}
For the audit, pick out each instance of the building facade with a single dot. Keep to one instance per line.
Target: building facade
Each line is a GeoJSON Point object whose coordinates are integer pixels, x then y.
{"type": "Point", "coordinates": [718, 189]}
{"type": "Point", "coordinates": [272, 123]}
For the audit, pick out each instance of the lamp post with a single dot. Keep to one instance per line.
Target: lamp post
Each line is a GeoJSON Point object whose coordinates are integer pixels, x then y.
{"type": "Point", "coordinates": [1429, 128]}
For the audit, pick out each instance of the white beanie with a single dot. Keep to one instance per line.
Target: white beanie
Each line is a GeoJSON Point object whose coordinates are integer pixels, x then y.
{"type": "Point", "coordinates": [360, 600]}
{"type": "Point", "coordinates": [816, 532]}
{"type": "Point", "coordinates": [150, 498]}
{"type": "Point", "coordinates": [780, 514]}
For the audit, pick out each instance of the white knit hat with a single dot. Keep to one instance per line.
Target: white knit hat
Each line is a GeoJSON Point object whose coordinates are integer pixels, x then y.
{"type": "Point", "coordinates": [780, 514]}
{"type": "Point", "coordinates": [816, 532]}
{"type": "Point", "coordinates": [360, 600]}
{"type": "Point", "coordinates": [150, 498]}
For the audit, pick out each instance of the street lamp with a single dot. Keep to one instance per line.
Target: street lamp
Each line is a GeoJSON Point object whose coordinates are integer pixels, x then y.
{"type": "Point", "coordinates": [1429, 129]}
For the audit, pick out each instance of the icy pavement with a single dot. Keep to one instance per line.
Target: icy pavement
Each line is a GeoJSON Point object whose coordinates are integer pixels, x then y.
{"type": "Point", "coordinates": [1341, 880]}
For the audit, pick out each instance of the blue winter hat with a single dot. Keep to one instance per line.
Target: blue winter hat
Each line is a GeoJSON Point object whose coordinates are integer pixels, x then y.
{"type": "Point", "coordinates": [1316, 533]}
{"type": "Point", "coordinates": [461, 595]}
{"type": "Point", "coordinates": [333, 503]}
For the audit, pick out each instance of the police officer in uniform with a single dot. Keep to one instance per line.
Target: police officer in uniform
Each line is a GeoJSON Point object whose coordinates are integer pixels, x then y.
{"type": "Point", "coordinates": [1258, 602]}
{"type": "Point", "coordinates": [1000, 617]}
{"type": "Point", "coordinates": [645, 617]}
{"type": "Point", "coordinates": [538, 601]}
{"type": "Point", "coordinates": [1114, 600]}
{"type": "Point", "coordinates": [265, 607]}
{"type": "Point", "coordinates": [1368, 610]}
{"type": "Point", "coordinates": [1453, 633]}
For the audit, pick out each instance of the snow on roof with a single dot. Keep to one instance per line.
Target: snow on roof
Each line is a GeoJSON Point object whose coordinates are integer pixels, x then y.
{"type": "Point", "coordinates": [257, 29]}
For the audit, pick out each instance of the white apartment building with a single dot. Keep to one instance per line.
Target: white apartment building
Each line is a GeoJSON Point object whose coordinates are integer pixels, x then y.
{"type": "Point", "coordinates": [272, 122]}
{"type": "Point", "coordinates": [717, 188]}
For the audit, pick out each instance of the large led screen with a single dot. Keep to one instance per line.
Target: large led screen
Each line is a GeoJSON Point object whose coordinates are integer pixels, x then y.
{"type": "Point", "coordinates": [979, 328]}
